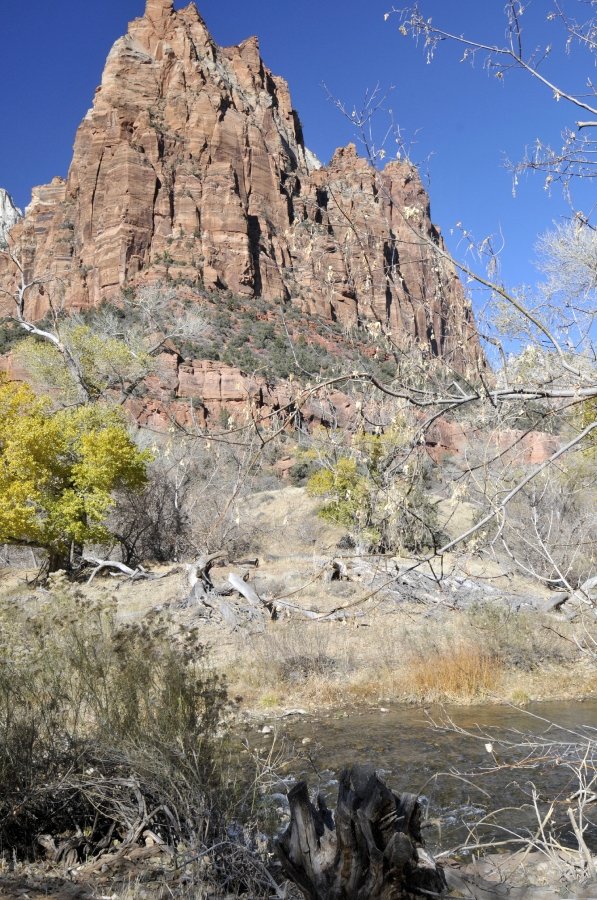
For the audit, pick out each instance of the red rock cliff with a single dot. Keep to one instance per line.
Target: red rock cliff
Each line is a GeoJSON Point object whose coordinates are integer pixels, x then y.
{"type": "Point", "coordinates": [192, 163]}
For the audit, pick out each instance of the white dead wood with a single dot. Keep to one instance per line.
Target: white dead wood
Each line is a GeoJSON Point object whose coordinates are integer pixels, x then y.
{"type": "Point", "coordinates": [246, 590]}
{"type": "Point", "coordinates": [337, 616]}
{"type": "Point", "coordinates": [584, 595]}
{"type": "Point", "coordinates": [306, 613]}
{"type": "Point", "coordinates": [200, 569]}
{"type": "Point", "coordinates": [134, 574]}
{"type": "Point", "coordinates": [338, 572]}
{"type": "Point", "coordinates": [251, 596]}
{"type": "Point", "coordinates": [253, 561]}
{"type": "Point", "coordinates": [228, 614]}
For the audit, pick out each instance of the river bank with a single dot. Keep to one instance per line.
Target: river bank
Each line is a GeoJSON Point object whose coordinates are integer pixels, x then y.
{"type": "Point", "coordinates": [395, 651]}
{"type": "Point", "coordinates": [331, 628]}
{"type": "Point", "coordinates": [483, 655]}
{"type": "Point", "coordinates": [475, 767]}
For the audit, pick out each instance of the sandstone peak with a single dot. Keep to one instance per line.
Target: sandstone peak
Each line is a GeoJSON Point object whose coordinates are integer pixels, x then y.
{"type": "Point", "coordinates": [192, 165]}
{"type": "Point", "coordinates": [249, 50]}
{"type": "Point", "coordinates": [157, 8]}
{"type": "Point", "coordinates": [345, 153]}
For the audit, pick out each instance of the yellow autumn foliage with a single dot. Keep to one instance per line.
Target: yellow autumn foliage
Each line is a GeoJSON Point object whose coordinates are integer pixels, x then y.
{"type": "Point", "coordinates": [58, 469]}
{"type": "Point", "coordinates": [374, 485]}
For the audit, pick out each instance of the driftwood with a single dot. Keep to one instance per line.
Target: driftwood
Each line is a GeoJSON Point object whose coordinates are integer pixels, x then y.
{"type": "Point", "coordinates": [253, 561]}
{"type": "Point", "coordinates": [312, 614]}
{"type": "Point", "coordinates": [203, 593]}
{"type": "Point", "coordinates": [134, 574]}
{"type": "Point", "coordinates": [585, 594]}
{"type": "Point", "coordinates": [347, 570]}
{"type": "Point", "coordinates": [228, 615]}
{"type": "Point", "coordinates": [371, 849]}
{"type": "Point", "coordinates": [245, 589]}
{"type": "Point", "coordinates": [235, 615]}
{"type": "Point", "coordinates": [199, 570]}
{"type": "Point", "coordinates": [338, 572]}
{"type": "Point", "coordinates": [200, 580]}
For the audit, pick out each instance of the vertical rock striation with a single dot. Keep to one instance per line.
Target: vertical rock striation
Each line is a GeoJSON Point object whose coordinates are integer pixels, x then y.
{"type": "Point", "coordinates": [9, 214]}
{"type": "Point", "coordinates": [192, 164]}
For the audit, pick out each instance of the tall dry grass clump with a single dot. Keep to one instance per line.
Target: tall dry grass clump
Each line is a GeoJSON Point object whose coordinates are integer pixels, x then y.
{"type": "Point", "coordinates": [456, 671]}
{"type": "Point", "coordinates": [335, 665]}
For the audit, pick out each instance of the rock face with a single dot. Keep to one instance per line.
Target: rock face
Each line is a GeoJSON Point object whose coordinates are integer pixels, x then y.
{"type": "Point", "coordinates": [9, 214]}
{"type": "Point", "coordinates": [191, 163]}
{"type": "Point", "coordinates": [462, 442]}
{"type": "Point", "coordinates": [198, 394]}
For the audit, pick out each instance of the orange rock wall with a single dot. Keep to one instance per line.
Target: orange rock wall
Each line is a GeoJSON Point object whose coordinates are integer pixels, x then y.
{"type": "Point", "coordinates": [191, 162]}
{"type": "Point", "coordinates": [516, 447]}
{"type": "Point", "coordinates": [213, 387]}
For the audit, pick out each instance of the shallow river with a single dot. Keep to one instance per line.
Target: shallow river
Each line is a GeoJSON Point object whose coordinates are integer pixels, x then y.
{"type": "Point", "coordinates": [409, 750]}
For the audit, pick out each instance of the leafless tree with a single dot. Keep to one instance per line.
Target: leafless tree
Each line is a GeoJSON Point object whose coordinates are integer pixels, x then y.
{"type": "Point", "coordinates": [577, 157]}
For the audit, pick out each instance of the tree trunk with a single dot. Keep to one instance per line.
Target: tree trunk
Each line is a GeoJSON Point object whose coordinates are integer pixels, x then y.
{"type": "Point", "coordinates": [371, 849]}
{"type": "Point", "coordinates": [58, 559]}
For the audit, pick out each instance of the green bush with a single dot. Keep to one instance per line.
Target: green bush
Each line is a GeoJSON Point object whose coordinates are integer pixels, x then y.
{"type": "Point", "coordinates": [375, 487]}
{"type": "Point", "coordinates": [301, 472]}
{"type": "Point", "coordinates": [10, 334]}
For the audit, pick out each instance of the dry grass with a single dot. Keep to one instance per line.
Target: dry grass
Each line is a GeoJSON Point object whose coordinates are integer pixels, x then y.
{"type": "Point", "coordinates": [329, 665]}
{"type": "Point", "coordinates": [403, 657]}
{"type": "Point", "coordinates": [408, 652]}
{"type": "Point", "coordinates": [456, 672]}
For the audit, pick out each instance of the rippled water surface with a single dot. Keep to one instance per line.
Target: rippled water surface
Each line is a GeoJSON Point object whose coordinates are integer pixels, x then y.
{"type": "Point", "coordinates": [405, 746]}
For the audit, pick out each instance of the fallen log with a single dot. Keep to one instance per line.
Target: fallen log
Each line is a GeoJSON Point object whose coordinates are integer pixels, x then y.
{"type": "Point", "coordinates": [132, 574]}
{"type": "Point", "coordinates": [228, 615]}
{"type": "Point", "coordinates": [253, 561]}
{"type": "Point", "coordinates": [200, 581]}
{"type": "Point", "coordinates": [371, 848]}
{"type": "Point", "coordinates": [200, 569]}
{"type": "Point", "coordinates": [245, 589]}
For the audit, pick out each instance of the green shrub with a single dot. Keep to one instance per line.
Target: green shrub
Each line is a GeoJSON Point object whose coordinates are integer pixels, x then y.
{"type": "Point", "coordinates": [301, 472]}
{"type": "Point", "coordinates": [375, 487]}
{"type": "Point", "coordinates": [9, 335]}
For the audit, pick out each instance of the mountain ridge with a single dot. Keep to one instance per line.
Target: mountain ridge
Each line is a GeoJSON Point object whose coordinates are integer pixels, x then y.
{"type": "Point", "coordinates": [191, 166]}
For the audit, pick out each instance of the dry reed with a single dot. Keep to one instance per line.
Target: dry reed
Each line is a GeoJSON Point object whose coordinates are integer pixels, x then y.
{"type": "Point", "coordinates": [454, 672]}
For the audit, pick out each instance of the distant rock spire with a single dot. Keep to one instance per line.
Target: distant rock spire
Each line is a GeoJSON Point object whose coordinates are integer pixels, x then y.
{"type": "Point", "coordinates": [9, 214]}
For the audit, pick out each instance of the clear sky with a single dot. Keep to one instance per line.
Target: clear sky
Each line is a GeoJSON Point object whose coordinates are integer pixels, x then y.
{"type": "Point", "coordinates": [53, 55]}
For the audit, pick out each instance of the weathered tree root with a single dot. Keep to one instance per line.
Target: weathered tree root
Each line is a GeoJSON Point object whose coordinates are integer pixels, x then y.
{"type": "Point", "coordinates": [372, 848]}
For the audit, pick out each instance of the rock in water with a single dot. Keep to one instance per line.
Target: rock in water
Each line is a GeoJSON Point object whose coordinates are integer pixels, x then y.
{"type": "Point", "coordinates": [9, 214]}
{"type": "Point", "coordinates": [191, 162]}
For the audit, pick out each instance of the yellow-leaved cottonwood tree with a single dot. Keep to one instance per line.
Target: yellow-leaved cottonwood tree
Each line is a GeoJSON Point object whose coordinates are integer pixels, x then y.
{"type": "Point", "coordinates": [58, 470]}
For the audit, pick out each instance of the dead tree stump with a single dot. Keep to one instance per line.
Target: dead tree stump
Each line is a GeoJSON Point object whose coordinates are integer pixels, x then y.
{"type": "Point", "coordinates": [372, 848]}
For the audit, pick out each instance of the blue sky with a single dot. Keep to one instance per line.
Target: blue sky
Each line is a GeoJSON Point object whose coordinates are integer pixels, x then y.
{"type": "Point", "coordinates": [53, 55]}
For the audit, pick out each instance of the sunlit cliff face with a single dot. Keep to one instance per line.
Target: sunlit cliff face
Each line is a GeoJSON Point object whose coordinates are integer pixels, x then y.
{"type": "Point", "coordinates": [191, 165]}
